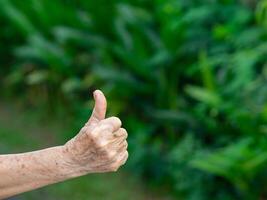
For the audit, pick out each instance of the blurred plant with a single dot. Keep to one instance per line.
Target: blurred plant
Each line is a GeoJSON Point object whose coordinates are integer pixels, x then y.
{"type": "Point", "coordinates": [187, 77]}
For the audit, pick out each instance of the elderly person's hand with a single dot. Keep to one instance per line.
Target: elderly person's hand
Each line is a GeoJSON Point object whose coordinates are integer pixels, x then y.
{"type": "Point", "coordinates": [100, 146]}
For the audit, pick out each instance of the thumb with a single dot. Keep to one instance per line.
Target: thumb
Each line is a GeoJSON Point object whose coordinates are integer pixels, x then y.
{"type": "Point", "coordinates": [100, 108]}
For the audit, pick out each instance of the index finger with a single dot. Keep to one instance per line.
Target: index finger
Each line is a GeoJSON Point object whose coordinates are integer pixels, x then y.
{"type": "Point", "coordinates": [114, 123]}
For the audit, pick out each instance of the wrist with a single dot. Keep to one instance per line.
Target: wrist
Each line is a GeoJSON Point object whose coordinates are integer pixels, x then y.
{"type": "Point", "coordinates": [70, 167]}
{"type": "Point", "coordinates": [57, 165]}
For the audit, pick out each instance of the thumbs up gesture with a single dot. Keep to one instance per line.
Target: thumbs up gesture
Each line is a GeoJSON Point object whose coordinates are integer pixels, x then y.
{"type": "Point", "coordinates": [101, 144]}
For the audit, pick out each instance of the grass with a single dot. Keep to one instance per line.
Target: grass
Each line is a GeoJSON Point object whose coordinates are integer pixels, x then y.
{"type": "Point", "coordinates": [22, 130]}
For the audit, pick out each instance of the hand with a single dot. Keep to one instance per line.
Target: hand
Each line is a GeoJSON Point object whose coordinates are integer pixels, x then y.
{"type": "Point", "coordinates": [101, 144]}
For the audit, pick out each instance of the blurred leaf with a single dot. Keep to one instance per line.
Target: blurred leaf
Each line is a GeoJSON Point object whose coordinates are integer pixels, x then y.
{"type": "Point", "coordinates": [37, 77]}
{"type": "Point", "coordinates": [71, 85]}
{"type": "Point", "coordinates": [203, 95]}
{"type": "Point", "coordinates": [17, 17]}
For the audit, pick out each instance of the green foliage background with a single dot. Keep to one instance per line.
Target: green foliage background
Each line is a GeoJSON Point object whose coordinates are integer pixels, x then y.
{"type": "Point", "coordinates": [187, 77]}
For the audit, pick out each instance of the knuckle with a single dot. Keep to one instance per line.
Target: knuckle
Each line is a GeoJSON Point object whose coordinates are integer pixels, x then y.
{"type": "Point", "coordinates": [114, 167]}
{"type": "Point", "coordinates": [124, 132]}
{"type": "Point", "coordinates": [116, 121]}
{"type": "Point", "coordinates": [126, 135]}
{"type": "Point", "coordinates": [107, 155]}
{"type": "Point", "coordinates": [101, 144]}
{"type": "Point", "coordinates": [104, 126]}
{"type": "Point", "coordinates": [111, 155]}
{"type": "Point", "coordinates": [125, 158]}
{"type": "Point", "coordinates": [126, 145]}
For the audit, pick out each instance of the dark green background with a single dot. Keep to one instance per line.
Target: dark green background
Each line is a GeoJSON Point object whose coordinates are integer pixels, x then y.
{"type": "Point", "coordinates": [187, 78]}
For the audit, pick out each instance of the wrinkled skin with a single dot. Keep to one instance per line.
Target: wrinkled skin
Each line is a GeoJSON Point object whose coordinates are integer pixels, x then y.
{"type": "Point", "coordinates": [100, 146]}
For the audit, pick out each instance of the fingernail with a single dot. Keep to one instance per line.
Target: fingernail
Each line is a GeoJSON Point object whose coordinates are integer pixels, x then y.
{"type": "Point", "coordinates": [95, 94]}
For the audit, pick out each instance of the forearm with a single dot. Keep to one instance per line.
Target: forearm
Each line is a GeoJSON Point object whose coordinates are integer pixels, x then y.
{"type": "Point", "coordinates": [27, 171]}
{"type": "Point", "coordinates": [100, 146]}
